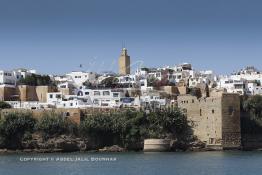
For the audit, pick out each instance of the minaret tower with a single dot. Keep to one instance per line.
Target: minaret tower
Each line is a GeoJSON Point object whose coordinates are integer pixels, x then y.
{"type": "Point", "coordinates": [124, 63]}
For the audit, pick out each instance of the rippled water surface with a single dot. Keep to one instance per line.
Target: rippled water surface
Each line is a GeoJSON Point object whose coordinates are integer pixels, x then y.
{"type": "Point", "coordinates": [199, 163]}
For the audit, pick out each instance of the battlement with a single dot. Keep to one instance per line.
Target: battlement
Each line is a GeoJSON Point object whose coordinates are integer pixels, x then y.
{"type": "Point", "coordinates": [215, 120]}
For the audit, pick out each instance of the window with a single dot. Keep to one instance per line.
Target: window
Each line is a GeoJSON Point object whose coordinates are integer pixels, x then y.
{"type": "Point", "coordinates": [96, 102]}
{"type": "Point", "coordinates": [51, 95]}
{"type": "Point", "coordinates": [211, 141]}
{"type": "Point", "coordinates": [230, 110]}
{"type": "Point", "coordinates": [193, 101]}
{"type": "Point", "coordinates": [80, 93]}
{"type": "Point", "coordinates": [71, 104]}
{"type": "Point", "coordinates": [200, 112]}
{"type": "Point", "coordinates": [115, 94]}
{"type": "Point", "coordinates": [213, 111]}
{"type": "Point", "coordinates": [106, 93]}
{"type": "Point", "coordinates": [86, 93]}
{"type": "Point", "coordinates": [58, 95]}
{"type": "Point", "coordinates": [96, 93]}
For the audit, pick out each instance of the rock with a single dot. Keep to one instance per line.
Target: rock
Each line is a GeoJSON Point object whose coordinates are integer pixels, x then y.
{"type": "Point", "coordinates": [194, 145]}
{"type": "Point", "coordinates": [61, 143]}
{"type": "Point", "coordinates": [67, 145]}
{"type": "Point", "coordinates": [2, 151]}
{"type": "Point", "coordinates": [114, 148]}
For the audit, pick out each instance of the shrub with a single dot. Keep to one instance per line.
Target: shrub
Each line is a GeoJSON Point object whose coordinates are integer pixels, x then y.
{"type": "Point", "coordinates": [13, 127]}
{"type": "Point", "coordinates": [165, 122]}
{"type": "Point", "coordinates": [36, 80]}
{"type": "Point", "coordinates": [2, 144]}
{"type": "Point", "coordinates": [4, 105]}
{"type": "Point", "coordinates": [129, 128]}
{"type": "Point", "coordinates": [253, 105]}
{"type": "Point", "coordinates": [53, 124]}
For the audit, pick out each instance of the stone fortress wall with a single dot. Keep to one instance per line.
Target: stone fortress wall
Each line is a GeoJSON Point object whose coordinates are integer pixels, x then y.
{"type": "Point", "coordinates": [215, 120]}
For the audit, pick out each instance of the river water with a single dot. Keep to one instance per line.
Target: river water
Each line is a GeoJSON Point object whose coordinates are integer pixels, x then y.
{"type": "Point", "coordinates": [189, 163]}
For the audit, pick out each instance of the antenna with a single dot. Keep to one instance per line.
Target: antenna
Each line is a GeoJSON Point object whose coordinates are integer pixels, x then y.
{"type": "Point", "coordinates": [123, 45]}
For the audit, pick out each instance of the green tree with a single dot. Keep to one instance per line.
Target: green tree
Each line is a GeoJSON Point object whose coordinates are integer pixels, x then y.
{"type": "Point", "coordinates": [4, 105]}
{"type": "Point", "coordinates": [165, 122]}
{"type": "Point", "coordinates": [109, 82]}
{"type": "Point", "coordinates": [36, 80]}
{"type": "Point", "coordinates": [251, 121]}
{"type": "Point", "coordinates": [13, 127]}
{"type": "Point", "coordinates": [54, 124]}
{"type": "Point", "coordinates": [253, 105]}
{"type": "Point", "coordinates": [88, 84]}
{"type": "Point", "coordinates": [129, 128]}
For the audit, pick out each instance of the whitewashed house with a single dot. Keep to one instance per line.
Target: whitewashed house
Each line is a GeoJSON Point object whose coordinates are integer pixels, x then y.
{"type": "Point", "coordinates": [13, 76]}
{"type": "Point", "coordinates": [79, 77]}
{"type": "Point", "coordinates": [128, 80]}
{"type": "Point", "coordinates": [7, 77]}
{"type": "Point", "coordinates": [58, 100]}
{"type": "Point", "coordinates": [250, 73]}
{"type": "Point", "coordinates": [102, 97]}
{"type": "Point", "coordinates": [254, 89]}
{"type": "Point", "coordinates": [233, 86]}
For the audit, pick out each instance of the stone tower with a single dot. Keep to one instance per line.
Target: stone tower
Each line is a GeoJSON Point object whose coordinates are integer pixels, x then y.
{"type": "Point", "coordinates": [124, 63]}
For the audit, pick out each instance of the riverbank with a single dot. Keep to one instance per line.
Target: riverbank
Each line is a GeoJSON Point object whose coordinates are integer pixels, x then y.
{"type": "Point", "coordinates": [109, 149]}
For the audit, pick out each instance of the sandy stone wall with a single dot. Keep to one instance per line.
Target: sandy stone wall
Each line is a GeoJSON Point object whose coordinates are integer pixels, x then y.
{"type": "Point", "coordinates": [6, 93]}
{"type": "Point", "coordinates": [182, 90]}
{"type": "Point", "coordinates": [66, 91]}
{"type": "Point", "coordinates": [27, 93]}
{"type": "Point", "coordinates": [72, 114]}
{"type": "Point", "coordinates": [34, 93]}
{"type": "Point", "coordinates": [41, 92]}
{"type": "Point", "coordinates": [231, 131]}
{"type": "Point", "coordinates": [212, 123]}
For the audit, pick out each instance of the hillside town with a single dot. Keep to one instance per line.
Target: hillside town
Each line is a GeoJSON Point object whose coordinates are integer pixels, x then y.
{"type": "Point", "coordinates": [211, 101]}
{"type": "Point", "coordinates": [145, 87]}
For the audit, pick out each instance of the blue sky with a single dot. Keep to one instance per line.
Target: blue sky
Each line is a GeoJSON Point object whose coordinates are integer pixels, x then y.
{"type": "Point", "coordinates": [56, 36]}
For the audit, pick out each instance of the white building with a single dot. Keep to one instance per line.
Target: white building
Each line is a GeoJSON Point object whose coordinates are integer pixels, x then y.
{"type": "Point", "coordinates": [144, 85]}
{"type": "Point", "coordinates": [128, 80]}
{"type": "Point", "coordinates": [254, 89]}
{"type": "Point", "coordinates": [152, 99]}
{"type": "Point", "coordinates": [28, 105]}
{"type": "Point", "coordinates": [233, 86]}
{"type": "Point", "coordinates": [102, 97]}
{"type": "Point", "coordinates": [59, 79]}
{"type": "Point", "coordinates": [12, 77]}
{"type": "Point", "coordinates": [7, 77]}
{"type": "Point", "coordinates": [79, 77]}
{"type": "Point", "coordinates": [249, 73]}
{"type": "Point", "coordinates": [57, 100]}
{"type": "Point", "coordinates": [193, 82]}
